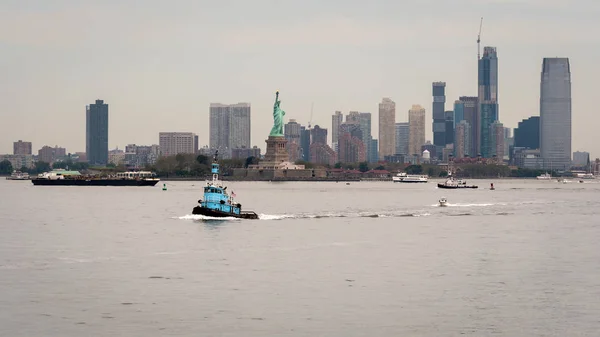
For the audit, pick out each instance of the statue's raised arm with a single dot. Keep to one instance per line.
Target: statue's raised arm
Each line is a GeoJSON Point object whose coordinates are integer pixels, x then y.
{"type": "Point", "coordinates": [278, 114]}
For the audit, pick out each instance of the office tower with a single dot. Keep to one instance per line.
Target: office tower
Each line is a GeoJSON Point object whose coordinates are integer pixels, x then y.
{"type": "Point", "coordinates": [239, 125]}
{"type": "Point", "coordinates": [402, 137]}
{"type": "Point", "coordinates": [509, 142]}
{"type": "Point", "coordinates": [488, 117]}
{"type": "Point", "coordinates": [218, 126]}
{"type": "Point", "coordinates": [373, 151]}
{"type": "Point", "coordinates": [449, 129]}
{"type": "Point", "coordinates": [351, 147]}
{"type": "Point", "coordinates": [21, 147]}
{"type": "Point", "coordinates": [364, 121]}
{"type": "Point", "coordinates": [96, 139]}
{"type": "Point", "coordinates": [527, 133]}
{"type": "Point", "coordinates": [336, 120]}
{"type": "Point", "coordinates": [459, 112]}
{"type": "Point", "coordinates": [291, 132]}
{"type": "Point", "coordinates": [581, 159]}
{"type": "Point", "coordinates": [230, 125]}
{"type": "Point", "coordinates": [416, 133]}
{"type": "Point", "coordinates": [469, 106]}
{"type": "Point", "coordinates": [387, 128]}
{"type": "Point", "coordinates": [497, 133]}
{"type": "Point", "coordinates": [488, 99]}
{"type": "Point", "coordinates": [437, 113]}
{"type": "Point", "coordinates": [462, 139]}
{"type": "Point", "coordinates": [318, 135]}
{"type": "Point", "coordinates": [488, 76]}
{"type": "Point", "coordinates": [555, 113]}
{"type": "Point", "coordinates": [173, 143]}
{"type": "Point", "coordinates": [304, 143]}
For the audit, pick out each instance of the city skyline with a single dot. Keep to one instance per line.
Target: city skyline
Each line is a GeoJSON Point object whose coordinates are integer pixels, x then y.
{"type": "Point", "coordinates": [161, 83]}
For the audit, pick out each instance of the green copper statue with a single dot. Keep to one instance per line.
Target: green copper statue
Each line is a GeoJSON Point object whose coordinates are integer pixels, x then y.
{"type": "Point", "coordinates": [278, 114]}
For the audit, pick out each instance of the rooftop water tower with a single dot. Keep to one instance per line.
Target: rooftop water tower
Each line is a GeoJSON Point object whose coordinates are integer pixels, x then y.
{"type": "Point", "coordinates": [426, 156]}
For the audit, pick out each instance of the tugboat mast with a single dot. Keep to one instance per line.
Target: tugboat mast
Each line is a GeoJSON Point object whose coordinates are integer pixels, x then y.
{"type": "Point", "coordinates": [215, 168]}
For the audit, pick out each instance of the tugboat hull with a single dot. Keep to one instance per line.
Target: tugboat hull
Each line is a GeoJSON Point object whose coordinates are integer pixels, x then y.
{"type": "Point", "coordinates": [199, 210]}
{"type": "Point", "coordinates": [454, 187]}
{"type": "Point", "coordinates": [94, 182]}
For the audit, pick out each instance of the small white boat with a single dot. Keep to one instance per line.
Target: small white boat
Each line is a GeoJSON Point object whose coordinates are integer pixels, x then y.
{"type": "Point", "coordinates": [443, 202]}
{"type": "Point", "coordinates": [545, 176]}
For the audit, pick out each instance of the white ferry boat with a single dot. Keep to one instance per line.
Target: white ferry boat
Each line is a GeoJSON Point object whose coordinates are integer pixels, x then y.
{"type": "Point", "coordinates": [18, 175]}
{"type": "Point", "coordinates": [409, 178]}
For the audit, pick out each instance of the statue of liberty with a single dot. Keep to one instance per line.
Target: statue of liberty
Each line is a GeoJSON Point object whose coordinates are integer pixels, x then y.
{"type": "Point", "coordinates": [278, 114]}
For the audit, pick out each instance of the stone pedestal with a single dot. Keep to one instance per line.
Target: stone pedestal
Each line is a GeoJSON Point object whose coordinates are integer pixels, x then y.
{"type": "Point", "coordinates": [276, 150]}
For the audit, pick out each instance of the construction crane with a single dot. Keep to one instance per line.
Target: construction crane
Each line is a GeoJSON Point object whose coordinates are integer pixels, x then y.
{"type": "Point", "coordinates": [479, 38]}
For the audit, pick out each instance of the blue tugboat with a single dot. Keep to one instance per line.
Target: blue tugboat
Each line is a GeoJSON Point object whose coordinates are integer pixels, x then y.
{"type": "Point", "coordinates": [218, 202]}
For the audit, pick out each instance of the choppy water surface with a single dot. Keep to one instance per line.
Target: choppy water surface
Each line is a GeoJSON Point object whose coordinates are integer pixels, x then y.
{"type": "Point", "coordinates": [325, 259]}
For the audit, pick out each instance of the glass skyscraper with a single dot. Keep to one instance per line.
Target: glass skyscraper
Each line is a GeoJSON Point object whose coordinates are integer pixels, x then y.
{"type": "Point", "coordinates": [488, 99]}
{"type": "Point", "coordinates": [527, 134]}
{"type": "Point", "coordinates": [96, 136]}
{"type": "Point", "coordinates": [402, 136]}
{"type": "Point", "coordinates": [555, 113]}
{"type": "Point", "coordinates": [488, 115]}
{"type": "Point", "coordinates": [437, 112]}
{"type": "Point", "coordinates": [468, 107]}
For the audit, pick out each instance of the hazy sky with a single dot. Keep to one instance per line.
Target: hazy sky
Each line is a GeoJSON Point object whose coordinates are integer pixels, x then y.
{"type": "Point", "coordinates": [159, 64]}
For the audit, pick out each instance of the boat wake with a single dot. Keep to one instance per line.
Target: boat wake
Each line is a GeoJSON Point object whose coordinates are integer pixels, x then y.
{"type": "Point", "coordinates": [308, 216]}
{"type": "Point", "coordinates": [206, 218]}
{"type": "Point", "coordinates": [466, 205]}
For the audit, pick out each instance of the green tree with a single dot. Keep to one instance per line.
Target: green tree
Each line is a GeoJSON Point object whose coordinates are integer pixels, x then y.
{"type": "Point", "coordinates": [430, 172]}
{"type": "Point", "coordinates": [166, 165]}
{"type": "Point", "coordinates": [40, 167]}
{"type": "Point", "coordinates": [5, 167]}
{"type": "Point", "coordinates": [250, 161]}
{"type": "Point", "coordinates": [202, 159]}
{"type": "Point", "coordinates": [338, 165]}
{"type": "Point", "coordinates": [443, 174]}
{"type": "Point", "coordinates": [380, 167]}
{"type": "Point", "coordinates": [363, 166]}
{"type": "Point", "coordinates": [414, 169]}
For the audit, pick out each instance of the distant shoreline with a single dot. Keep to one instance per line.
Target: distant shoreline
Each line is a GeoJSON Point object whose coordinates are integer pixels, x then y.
{"type": "Point", "coordinates": [334, 180]}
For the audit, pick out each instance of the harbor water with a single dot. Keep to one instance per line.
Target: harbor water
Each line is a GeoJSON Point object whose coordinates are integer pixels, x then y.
{"type": "Point", "coordinates": [324, 259]}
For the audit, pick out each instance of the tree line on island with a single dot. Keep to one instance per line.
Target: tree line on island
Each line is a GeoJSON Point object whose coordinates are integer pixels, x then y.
{"type": "Point", "coordinates": [189, 165]}
{"type": "Point", "coordinates": [199, 166]}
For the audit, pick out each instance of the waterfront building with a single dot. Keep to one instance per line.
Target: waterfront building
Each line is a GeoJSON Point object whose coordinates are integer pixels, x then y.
{"type": "Point", "coordinates": [96, 144]}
